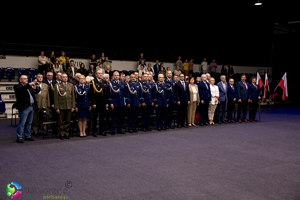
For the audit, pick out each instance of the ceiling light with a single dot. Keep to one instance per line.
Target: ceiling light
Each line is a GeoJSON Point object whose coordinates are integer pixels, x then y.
{"type": "Point", "coordinates": [258, 3]}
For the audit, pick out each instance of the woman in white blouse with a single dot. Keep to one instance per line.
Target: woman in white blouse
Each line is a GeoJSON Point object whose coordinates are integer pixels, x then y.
{"type": "Point", "coordinates": [214, 100]}
{"type": "Point", "coordinates": [195, 99]}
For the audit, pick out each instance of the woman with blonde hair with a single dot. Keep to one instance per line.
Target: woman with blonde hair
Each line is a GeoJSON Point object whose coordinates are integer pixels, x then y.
{"type": "Point", "coordinates": [214, 90]}
{"type": "Point", "coordinates": [195, 99]}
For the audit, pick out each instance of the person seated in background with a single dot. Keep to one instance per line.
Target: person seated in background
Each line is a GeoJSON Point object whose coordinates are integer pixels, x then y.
{"type": "Point", "coordinates": [106, 64]}
{"type": "Point", "coordinates": [186, 67]}
{"type": "Point", "coordinates": [92, 69]}
{"type": "Point", "coordinates": [177, 71]}
{"type": "Point", "coordinates": [108, 69]}
{"type": "Point", "coordinates": [43, 61]}
{"type": "Point", "coordinates": [214, 91]}
{"type": "Point", "coordinates": [142, 59]}
{"type": "Point", "coordinates": [141, 65]}
{"type": "Point", "coordinates": [82, 104]}
{"type": "Point", "coordinates": [71, 71]}
{"type": "Point", "coordinates": [162, 70]}
{"type": "Point", "coordinates": [150, 70]}
{"type": "Point", "coordinates": [62, 58]}
{"type": "Point", "coordinates": [254, 96]}
{"type": "Point", "coordinates": [141, 71]}
{"type": "Point", "coordinates": [82, 69]}
{"type": "Point", "coordinates": [57, 68]}
{"type": "Point", "coordinates": [90, 77]}
{"type": "Point", "coordinates": [230, 73]}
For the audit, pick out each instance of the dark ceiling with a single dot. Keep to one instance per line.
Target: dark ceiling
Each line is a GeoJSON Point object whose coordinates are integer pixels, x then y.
{"type": "Point", "coordinates": [234, 32]}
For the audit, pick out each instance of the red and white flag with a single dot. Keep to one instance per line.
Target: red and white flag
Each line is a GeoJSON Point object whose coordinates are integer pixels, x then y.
{"type": "Point", "coordinates": [266, 87]}
{"type": "Point", "coordinates": [259, 82]}
{"type": "Point", "coordinates": [283, 85]}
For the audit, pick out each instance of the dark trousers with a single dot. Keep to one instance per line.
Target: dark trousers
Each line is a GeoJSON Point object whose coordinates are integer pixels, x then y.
{"type": "Point", "coordinates": [242, 108]}
{"type": "Point", "coordinates": [253, 109]}
{"type": "Point", "coordinates": [169, 116]}
{"type": "Point", "coordinates": [64, 119]}
{"type": "Point", "coordinates": [230, 109]}
{"type": "Point", "coordinates": [181, 113]}
{"type": "Point", "coordinates": [204, 112]}
{"type": "Point", "coordinates": [117, 118]}
{"type": "Point", "coordinates": [160, 116]}
{"type": "Point", "coordinates": [145, 118]}
{"type": "Point", "coordinates": [221, 108]}
{"type": "Point", "coordinates": [98, 111]}
{"type": "Point", "coordinates": [132, 117]}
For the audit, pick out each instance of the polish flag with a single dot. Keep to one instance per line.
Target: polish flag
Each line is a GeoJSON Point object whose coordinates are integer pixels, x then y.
{"type": "Point", "coordinates": [266, 87]}
{"type": "Point", "coordinates": [283, 85]}
{"type": "Point", "coordinates": [259, 82]}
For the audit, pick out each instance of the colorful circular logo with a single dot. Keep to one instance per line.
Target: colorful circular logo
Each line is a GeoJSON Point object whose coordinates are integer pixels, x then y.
{"type": "Point", "coordinates": [12, 190]}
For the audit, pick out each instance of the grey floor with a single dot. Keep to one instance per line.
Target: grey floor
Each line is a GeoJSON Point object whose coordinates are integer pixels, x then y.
{"type": "Point", "coordinates": [259, 160]}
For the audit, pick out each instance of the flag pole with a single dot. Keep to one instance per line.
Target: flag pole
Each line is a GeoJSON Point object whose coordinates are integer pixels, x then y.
{"type": "Point", "coordinates": [276, 88]}
{"type": "Point", "coordinates": [259, 110]}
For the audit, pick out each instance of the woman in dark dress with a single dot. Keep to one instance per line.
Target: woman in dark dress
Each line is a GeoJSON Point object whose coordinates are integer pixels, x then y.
{"type": "Point", "coordinates": [82, 70]}
{"type": "Point", "coordinates": [82, 104]}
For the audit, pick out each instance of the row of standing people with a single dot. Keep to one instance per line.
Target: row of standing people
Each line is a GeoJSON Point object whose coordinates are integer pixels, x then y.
{"type": "Point", "coordinates": [165, 96]}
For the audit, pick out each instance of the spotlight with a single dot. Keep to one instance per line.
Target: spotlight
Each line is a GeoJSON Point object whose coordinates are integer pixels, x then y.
{"type": "Point", "coordinates": [258, 3]}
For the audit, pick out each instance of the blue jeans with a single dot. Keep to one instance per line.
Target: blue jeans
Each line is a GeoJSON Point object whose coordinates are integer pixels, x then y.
{"type": "Point", "coordinates": [25, 120]}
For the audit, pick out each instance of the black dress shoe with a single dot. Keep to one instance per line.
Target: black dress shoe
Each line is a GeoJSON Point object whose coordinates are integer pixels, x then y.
{"type": "Point", "coordinates": [121, 132]}
{"type": "Point", "coordinates": [201, 124]}
{"type": "Point", "coordinates": [113, 133]}
{"type": "Point", "coordinates": [205, 123]}
{"type": "Point", "coordinates": [29, 139]}
{"type": "Point", "coordinates": [159, 129]}
{"type": "Point", "coordinates": [20, 141]}
{"type": "Point", "coordinates": [61, 137]}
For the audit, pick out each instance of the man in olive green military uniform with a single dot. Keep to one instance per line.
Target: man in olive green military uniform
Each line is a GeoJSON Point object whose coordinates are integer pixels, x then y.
{"type": "Point", "coordinates": [64, 104]}
{"type": "Point", "coordinates": [43, 101]}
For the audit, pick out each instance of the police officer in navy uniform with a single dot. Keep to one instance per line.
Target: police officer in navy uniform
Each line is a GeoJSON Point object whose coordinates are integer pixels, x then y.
{"type": "Point", "coordinates": [161, 102]}
{"type": "Point", "coordinates": [152, 89]}
{"type": "Point", "coordinates": [134, 98]}
{"type": "Point", "coordinates": [148, 103]}
{"type": "Point", "coordinates": [98, 88]}
{"type": "Point", "coordinates": [116, 99]}
{"type": "Point", "coordinates": [171, 96]}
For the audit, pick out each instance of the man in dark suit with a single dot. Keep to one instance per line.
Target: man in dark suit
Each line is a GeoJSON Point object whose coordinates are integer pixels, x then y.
{"type": "Point", "coordinates": [25, 95]}
{"type": "Point", "coordinates": [243, 98]}
{"type": "Point", "coordinates": [98, 95]}
{"type": "Point", "coordinates": [182, 94]}
{"type": "Point", "coordinates": [231, 96]}
{"type": "Point", "coordinates": [222, 99]}
{"type": "Point", "coordinates": [254, 96]}
{"type": "Point", "coordinates": [205, 97]}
